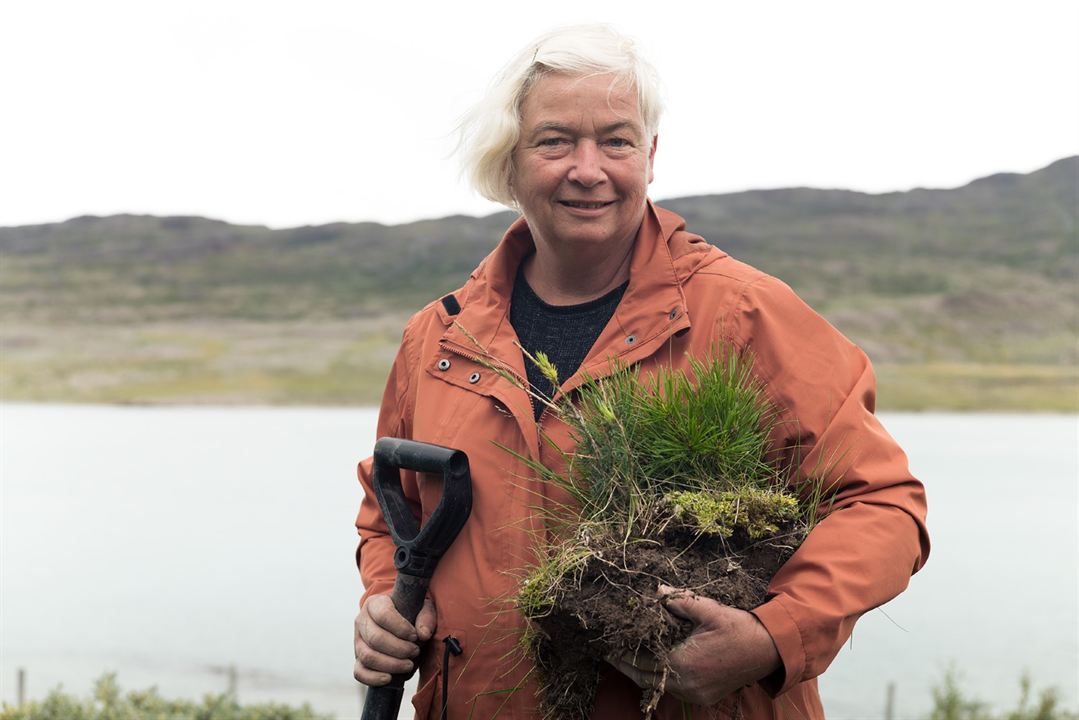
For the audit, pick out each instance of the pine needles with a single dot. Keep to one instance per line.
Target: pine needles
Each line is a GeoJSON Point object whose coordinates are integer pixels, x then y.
{"type": "Point", "coordinates": [643, 443]}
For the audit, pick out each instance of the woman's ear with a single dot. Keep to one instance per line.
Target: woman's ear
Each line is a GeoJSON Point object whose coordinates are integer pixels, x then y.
{"type": "Point", "coordinates": [652, 159]}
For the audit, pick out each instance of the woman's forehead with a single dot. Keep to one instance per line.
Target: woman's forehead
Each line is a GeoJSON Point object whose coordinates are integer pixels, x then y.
{"type": "Point", "coordinates": [558, 98]}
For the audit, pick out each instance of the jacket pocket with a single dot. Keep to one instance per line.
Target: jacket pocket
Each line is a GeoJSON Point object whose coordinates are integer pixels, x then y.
{"type": "Point", "coordinates": [428, 696]}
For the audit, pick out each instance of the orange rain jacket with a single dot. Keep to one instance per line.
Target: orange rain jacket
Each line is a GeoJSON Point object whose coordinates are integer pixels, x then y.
{"type": "Point", "coordinates": [684, 297]}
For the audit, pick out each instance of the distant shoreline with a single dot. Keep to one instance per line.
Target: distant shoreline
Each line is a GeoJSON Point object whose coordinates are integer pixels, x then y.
{"type": "Point", "coordinates": [929, 388]}
{"type": "Point", "coordinates": [965, 298]}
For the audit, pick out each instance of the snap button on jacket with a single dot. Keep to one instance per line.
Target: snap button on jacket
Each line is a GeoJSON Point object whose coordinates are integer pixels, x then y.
{"type": "Point", "coordinates": [860, 556]}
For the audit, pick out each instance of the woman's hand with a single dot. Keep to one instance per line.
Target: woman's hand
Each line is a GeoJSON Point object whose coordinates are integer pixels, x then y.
{"type": "Point", "coordinates": [386, 643]}
{"type": "Point", "coordinates": [727, 650]}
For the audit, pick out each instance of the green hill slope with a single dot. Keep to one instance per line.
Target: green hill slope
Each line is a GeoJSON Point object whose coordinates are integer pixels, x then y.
{"type": "Point", "coordinates": [965, 298]}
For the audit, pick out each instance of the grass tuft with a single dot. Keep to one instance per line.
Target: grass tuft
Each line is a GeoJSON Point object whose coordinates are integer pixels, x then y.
{"type": "Point", "coordinates": [675, 443]}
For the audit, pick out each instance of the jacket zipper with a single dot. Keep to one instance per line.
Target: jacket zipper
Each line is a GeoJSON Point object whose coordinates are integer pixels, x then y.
{"type": "Point", "coordinates": [486, 362]}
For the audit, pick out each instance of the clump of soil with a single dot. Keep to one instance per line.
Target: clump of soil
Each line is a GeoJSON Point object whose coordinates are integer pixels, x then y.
{"type": "Point", "coordinates": [610, 607]}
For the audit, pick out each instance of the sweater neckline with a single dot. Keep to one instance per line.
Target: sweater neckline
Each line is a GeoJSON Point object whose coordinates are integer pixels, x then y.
{"type": "Point", "coordinates": [522, 285]}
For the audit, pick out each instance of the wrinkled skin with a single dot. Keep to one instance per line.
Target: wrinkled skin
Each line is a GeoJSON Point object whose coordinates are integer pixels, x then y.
{"type": "Point", "coordinates": [386, 643]}
{"type": "Point", "coordinates": [727, 650]}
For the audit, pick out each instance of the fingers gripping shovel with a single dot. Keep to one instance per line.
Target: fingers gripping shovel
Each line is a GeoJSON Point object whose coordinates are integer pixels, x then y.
{"type": "Point", "coordinates": [418, 549]}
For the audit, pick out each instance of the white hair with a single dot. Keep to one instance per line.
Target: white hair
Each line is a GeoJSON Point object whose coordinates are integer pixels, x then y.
{"type": "Point", "coordinates": [490, 131]}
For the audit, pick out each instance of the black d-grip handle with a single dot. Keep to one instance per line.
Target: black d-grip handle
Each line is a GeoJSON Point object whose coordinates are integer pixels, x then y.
{"type": "Point", "coordinates": [418, 549]}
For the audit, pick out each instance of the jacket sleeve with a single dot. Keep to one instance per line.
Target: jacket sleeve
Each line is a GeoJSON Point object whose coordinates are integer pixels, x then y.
{"type": "Point", "coordinates": [374, 555]}
{"type": "Point", "coordinates": [873, 536]}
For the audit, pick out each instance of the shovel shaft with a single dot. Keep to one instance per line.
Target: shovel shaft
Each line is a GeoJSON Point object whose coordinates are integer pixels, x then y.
{"type": "Point", "coordinates": [409, 592]}
{"type": "Point", "coordinates": [384, 702]}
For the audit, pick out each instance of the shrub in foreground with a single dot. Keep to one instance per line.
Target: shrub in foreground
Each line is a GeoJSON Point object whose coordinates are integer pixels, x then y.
{"type": "Point", "coordinates": [109, 703]}
{"type": "Point", "coordinates": [950, 703]}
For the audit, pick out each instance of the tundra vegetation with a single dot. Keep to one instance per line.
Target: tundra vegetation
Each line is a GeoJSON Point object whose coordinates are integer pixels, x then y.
{"type": "Point", "coordinates": [950, 702]}
{"type": "Point", "coordinates": [964, 298]}
{"type": "Point", "coordinates": [109, 702]}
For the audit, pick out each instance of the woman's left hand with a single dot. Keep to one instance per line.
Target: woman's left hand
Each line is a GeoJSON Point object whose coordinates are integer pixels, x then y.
{"type": "Point", "coordinates": [726, 650]}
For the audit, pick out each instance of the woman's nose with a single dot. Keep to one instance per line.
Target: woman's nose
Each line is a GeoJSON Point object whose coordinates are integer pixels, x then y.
{"type": "Point", "coordinates": [587, 167]}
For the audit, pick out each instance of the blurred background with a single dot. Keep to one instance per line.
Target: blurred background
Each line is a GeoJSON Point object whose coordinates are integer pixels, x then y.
{"type": "Point", "coordinates": [215, 218]}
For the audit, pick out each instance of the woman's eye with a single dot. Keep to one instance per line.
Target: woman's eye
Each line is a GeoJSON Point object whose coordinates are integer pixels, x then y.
{"type": "Point", "coordinates": [551, 142]}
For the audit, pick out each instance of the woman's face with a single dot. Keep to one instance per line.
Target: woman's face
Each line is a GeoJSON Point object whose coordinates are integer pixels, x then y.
{"type": "Point", "coordinates": [584, 161]}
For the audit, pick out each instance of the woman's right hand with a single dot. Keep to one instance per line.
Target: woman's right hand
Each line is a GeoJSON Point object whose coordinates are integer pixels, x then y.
{"type": "Point", "coordinates": [386, 643]}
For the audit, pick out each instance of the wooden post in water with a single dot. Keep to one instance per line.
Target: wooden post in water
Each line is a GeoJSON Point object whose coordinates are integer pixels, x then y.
{"type": "Point", "coordinates": [20, 688]}
{"type": "Point", "coordinates": [232, 684]}
{"type": "Point", "coordinates": [889, 703]}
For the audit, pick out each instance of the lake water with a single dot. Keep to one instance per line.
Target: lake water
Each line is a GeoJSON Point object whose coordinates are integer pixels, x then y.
{"type": "Point", "coordinates": [169, 544]}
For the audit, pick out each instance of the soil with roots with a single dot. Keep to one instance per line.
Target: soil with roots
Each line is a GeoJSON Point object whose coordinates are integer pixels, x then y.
{"type": "Point", "coordinates": [612, 607]}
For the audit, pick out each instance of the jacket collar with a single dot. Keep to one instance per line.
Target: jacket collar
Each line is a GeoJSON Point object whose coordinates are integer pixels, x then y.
{"type": "Point", "coordinates": [652, 308]}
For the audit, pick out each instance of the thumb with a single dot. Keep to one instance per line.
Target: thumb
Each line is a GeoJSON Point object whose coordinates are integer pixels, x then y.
{"type": "Point", "coordinates": [426, 621]}
{"type": "Point", "coordinates": [682, 603]}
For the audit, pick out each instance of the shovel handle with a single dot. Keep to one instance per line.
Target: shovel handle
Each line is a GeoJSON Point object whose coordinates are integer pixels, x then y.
{"type": "Point", "coordinates": [418, 549]}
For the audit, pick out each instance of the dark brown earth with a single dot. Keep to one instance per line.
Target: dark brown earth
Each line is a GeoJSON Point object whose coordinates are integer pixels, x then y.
{"type": "Point", "coordinates": [616, 610]}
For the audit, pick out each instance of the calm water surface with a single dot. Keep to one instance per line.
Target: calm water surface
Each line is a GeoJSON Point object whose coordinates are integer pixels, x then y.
{"type": "Point", "coordinates": [169, 544]}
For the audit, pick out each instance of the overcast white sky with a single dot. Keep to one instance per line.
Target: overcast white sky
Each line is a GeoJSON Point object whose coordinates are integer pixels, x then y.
{"type": "Point", "coordinates": [292, 113]}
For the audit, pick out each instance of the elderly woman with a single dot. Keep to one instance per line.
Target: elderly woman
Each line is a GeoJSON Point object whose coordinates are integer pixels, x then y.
{"type": "Point", "coordinates": [591, 271]}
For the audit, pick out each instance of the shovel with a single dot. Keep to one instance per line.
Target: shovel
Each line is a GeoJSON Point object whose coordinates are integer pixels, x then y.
{"type": "Point", "coordinates": [418, 549]}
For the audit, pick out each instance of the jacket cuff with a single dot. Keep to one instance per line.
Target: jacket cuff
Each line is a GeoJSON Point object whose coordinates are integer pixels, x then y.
{"type": "Point", "coordinates": [788, 640]}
